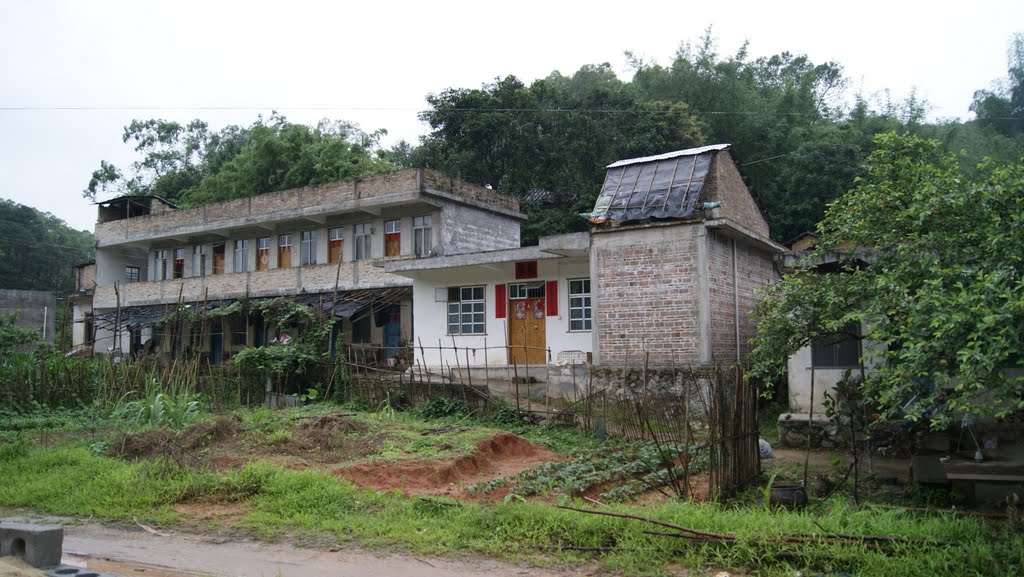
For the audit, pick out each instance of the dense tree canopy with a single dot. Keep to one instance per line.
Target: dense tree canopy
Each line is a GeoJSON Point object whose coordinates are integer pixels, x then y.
{"type": "Point", "coordinates": [1002, 107]}
{"type": "Point", "coordinates": [555, 135]}
{"type": "Point", "coordinates": [38, 251]}
{"type": "Point", "coordinates": [799, 137]}
{"type": "Point", "coordinates": [799, 142]}
{"type": "Point", "coordinates": [935, 273]}
{"type": "Point", "coordinates": [189, 165]}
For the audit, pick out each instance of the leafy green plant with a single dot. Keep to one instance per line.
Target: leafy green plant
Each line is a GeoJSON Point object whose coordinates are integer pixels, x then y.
{"type": "Point", "coordinates": [11, 335]}
{"type": "Point", "coordinates": [99, 447]}
{"type": "Point", "coordinates": [386, 409]}
{"type": "Point", "coordinates": [766, 492]}
{"type": "Point", "coordinates": [630, 468]}
{"type": "Point", "coordinates": [172, 409]}
{"type": "Point", "coordinates": [441, 407]}
{"type": "Point", "coordinates": [278, 437]}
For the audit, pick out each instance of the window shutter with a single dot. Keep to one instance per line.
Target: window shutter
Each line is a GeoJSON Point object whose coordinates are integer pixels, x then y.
{"type": "Point", "coordinates": [500, 302]}
{"type": "Point", "coordinates": [551, 294]}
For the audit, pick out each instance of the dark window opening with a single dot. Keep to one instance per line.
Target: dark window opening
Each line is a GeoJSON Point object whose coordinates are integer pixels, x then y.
{"type": "Point", "coordinates": [239, 330]}
{"type": "Point", "coordinates": [839, 350]}
{"type": "Point", "coordinates": [179, 263]}
{"type": "Point", "coordinates": [526, 269]}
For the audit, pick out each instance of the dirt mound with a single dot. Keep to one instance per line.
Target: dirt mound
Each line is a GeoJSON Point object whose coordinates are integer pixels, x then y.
{"type": "Point", "coordinates": [180, 447]}
{"type": "Point", "coordinates": [501, 455]}
{"type": "Point", "coordinates": [144, 445]}
{"type": "Point", "coordinates": [328, 432]}
{"type": "Point", "coordinates": [208, 432]}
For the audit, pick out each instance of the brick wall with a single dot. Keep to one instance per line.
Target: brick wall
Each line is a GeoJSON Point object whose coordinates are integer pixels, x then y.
{"type": "Point", "coordinates": [647, 295]}
{"type": "Point", "coordinates": [721, 298]}
{"type": "Point", "coordinates": [85, 277]}
{"type": "Point", "coordinates": [725, 184]}
{"type": "Point", "coordinates": [381, 184]}
{"type": "Point", "coordinates": [433, 180]}
{"type": "Point", "coordinates": [754, 269]}
{"type": "Point", "coordinates": [305, 200]}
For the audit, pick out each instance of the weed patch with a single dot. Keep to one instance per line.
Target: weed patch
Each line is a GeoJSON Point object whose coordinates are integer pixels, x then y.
{"type": "Point", "coordinates": [270, 501]}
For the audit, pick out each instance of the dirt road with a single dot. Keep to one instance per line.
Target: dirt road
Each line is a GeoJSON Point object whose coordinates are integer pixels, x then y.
{"type": "Point", "coordinates": [138, 553]}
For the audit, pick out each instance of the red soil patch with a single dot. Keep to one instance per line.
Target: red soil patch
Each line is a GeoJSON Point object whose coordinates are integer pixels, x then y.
{"type": "Point", "coordinates": [502, 455]}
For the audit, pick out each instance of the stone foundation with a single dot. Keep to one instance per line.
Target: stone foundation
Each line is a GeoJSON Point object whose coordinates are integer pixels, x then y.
{"type": "Point", "coordinates": [795, 427]}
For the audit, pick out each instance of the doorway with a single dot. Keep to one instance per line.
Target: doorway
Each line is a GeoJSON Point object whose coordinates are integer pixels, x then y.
{"type": "Point", "coordinates": [527, 324]}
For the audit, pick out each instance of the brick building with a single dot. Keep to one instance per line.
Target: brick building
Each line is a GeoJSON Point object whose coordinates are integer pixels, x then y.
{"type": "Point", "coordinates": [321, 244]}
{"type": "Point", "coordinates": [668, 273]}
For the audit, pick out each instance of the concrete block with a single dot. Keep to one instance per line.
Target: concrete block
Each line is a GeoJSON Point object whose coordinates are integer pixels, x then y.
{"type": "Point", "coordinates": [928, 469]}
{"type": "Point", "coordinates": [38, 545]}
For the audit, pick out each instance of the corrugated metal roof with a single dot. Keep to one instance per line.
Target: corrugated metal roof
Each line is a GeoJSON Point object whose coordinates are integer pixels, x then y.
{"type": "Point", "coordinates": [662, 186]}
{"type": "Point", "coordinates": [133, 198]}
{"type": "Point", "coordinates": [668, 155]}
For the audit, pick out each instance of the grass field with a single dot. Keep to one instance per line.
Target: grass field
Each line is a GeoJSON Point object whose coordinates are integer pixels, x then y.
{"type": "Point", "coordinates": [308, 475]}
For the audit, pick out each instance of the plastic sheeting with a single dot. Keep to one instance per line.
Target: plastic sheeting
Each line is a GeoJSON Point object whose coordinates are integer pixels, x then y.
{"type": "Point", "coordinates": [662, 188]}
{"type": "Point", "coordinates": [347, 304]}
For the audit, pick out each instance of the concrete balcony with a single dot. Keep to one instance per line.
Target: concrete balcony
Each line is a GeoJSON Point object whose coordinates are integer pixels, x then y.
{"type": "Point", "coordinates": [273, 282]}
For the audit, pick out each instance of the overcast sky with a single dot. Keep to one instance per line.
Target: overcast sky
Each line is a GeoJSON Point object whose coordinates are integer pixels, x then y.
{"type": "Point", "coordinates": [75, 73]}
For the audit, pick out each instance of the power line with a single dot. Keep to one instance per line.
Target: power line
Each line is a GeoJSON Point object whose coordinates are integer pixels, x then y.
{"type": "Point", "coordinates": [20, 242]}
{"type": "Point", "coordinates": [399, 109]}
{"type": "Point", "coordinates": [204, 108]}
{"type": "Point", "coordinates": [417, 110]}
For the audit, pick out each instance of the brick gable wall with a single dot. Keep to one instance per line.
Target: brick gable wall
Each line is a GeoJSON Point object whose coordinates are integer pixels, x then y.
{"type": "Point", "coordinates": [647, 295]}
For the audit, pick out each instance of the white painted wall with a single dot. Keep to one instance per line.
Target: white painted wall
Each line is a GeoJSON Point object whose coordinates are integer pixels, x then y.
{"type": "Point", "coordinates": [800, 383]}
{"type": "Point", "coordinates": [431, 317]}
{"type": "Point", "coordinates": [825, 379]}
{"type": "Point", "coordinates": [81, 309]}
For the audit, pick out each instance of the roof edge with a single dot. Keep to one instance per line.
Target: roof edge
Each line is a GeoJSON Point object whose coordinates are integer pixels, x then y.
{"type": "Point", "coordinates": [667, 155]}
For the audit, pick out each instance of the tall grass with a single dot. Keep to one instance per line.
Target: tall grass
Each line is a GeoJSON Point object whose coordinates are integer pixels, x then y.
{"type": "Point", "coordinates": [159, 407]}
{"type": "Point", "coordinates": [275, 502]}
{"type": "Point", "coordinates": [30, 381]}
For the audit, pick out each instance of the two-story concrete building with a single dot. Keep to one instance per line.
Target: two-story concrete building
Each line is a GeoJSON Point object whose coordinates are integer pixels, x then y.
{"type": "Point", "coordinates": [321, 244]}
{"type": "Point", "coordinates": [666, 275]}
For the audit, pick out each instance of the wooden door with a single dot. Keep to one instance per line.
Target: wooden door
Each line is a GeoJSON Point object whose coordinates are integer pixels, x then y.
{"type": "Point", "coordinates": [334, 250]}
{"type": "Point", "coordinates": [284, 256]}
{"type": "Point", "coordinates": [393, 244]}
{"type": "Point", "coordinates": [527, 331]}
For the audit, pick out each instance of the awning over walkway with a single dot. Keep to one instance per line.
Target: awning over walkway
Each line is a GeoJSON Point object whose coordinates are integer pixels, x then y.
{"type": "Point", "coordinates": [345, 304]}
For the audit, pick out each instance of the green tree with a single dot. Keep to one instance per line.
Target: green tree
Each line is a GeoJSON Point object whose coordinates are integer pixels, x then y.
{"type": "Point", "coordinates": [171, 163]}
{"type": "Point", "coordinates": [556, 135]}
{"type": "Point", "coordinates": [13, 336]}
{"type": "Point", "coordinates": [938, 280]}
{"type": "Point", "coordinates": [38, 251]}
{"type": "Point", "coordinates": [279, 155]}
{"type": "Point", "coordinates": [189, 165]}
{"type": "Point", "coordinates": [1002, 107]}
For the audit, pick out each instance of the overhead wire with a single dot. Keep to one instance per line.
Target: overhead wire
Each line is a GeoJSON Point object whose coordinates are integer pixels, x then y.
{"type": "Point", "coordinates": [397, 109]}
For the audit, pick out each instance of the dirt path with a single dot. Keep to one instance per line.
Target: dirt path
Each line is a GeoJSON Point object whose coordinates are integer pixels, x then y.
{"type": "Point", "coordinates": [836, 462]}
{"type": "Point", "coordinates": [132, 553]}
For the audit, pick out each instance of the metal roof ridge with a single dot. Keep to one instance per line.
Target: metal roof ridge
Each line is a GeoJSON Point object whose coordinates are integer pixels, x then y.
{"type": "Point", "coordinates": [667, 155]}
